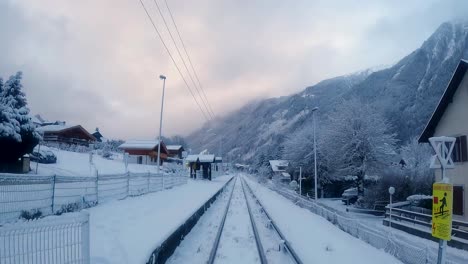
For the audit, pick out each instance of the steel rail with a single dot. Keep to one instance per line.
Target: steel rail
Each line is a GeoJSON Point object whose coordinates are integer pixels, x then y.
{"type": "Point", "coordinates": [287, 245]}
{"type": "Point", "coordinates": [214, 249]}
{"type": "Point", "coordinates": [261, 252]}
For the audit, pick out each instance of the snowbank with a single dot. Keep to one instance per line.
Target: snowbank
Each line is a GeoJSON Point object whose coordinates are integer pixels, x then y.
{"type": "Point", "coordinates": [77, 164]}
{"type": "Point", "coordinates": [314, 238]}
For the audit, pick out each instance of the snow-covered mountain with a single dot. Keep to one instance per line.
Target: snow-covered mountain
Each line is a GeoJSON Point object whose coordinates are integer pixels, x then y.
{"type": "Point", "coordinates": [406, 92]}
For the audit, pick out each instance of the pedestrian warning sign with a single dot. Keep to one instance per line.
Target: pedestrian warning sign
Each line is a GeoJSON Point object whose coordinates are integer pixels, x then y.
{"type": "Point", "coordinates": [442, 210]}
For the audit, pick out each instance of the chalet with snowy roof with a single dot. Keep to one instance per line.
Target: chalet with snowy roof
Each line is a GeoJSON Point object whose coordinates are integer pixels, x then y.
{"type": "Point", "coordinates": [144, 151]}
{"type": "Point", "coordinates": [279, 167]}
{"type": "Point", "coordinates": [66, 134]}
{"type": "Point", "coordinates": [450, 119]}
{"type": "Point", "coordinates": [175, 151]}
{"type": "Point", "coordinates": [201, 162]}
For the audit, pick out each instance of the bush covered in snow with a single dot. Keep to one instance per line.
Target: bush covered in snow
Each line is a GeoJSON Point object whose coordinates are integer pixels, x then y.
{"type": "Point", "coordinates": [17, 132]}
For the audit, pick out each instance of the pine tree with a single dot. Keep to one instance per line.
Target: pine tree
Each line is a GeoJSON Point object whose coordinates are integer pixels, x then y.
{"type": "Point", "coordinates": [17, 132]}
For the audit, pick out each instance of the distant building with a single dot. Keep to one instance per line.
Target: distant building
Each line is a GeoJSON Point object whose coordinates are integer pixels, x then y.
{"type": "Point", "coordinates": [66, 134]}
{"type": "Point", "coordinates": [201, 162]}
{"type": "Point", "coordinates": [175, 151]}
{"type": "Point", "coordinates": [279, 167]}
{"type": "Point", "coordinates": [450, 119]}
{"type": "Point", "coordinates": [99, 137]}
{"type": "Point", "coordinates": [144, 151]}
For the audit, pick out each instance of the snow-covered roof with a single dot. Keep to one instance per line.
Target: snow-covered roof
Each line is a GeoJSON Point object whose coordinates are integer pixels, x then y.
{"type": "Point", "coordinates": [53, 128]}
{"type": "Point", "coordinates": [206, 157]}
{"type": "Point", "coordinates": [36, 120]}
{"type": "Point", "coordinates": [192, 158]}
{"type": "Point", "coordinates": [286, 175]}
{"type": "Point", "coordinates": [275, 164]}
{"type": "Point", "coordinates": [139, 144]}
{"type": "Point", "coordinates": [219, 158]}
{"type": "Point", "coordinates": [174, 147]}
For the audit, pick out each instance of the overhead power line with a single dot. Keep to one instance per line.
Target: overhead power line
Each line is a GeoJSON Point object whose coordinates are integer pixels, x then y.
{"type": "Point", "coordinates": [189, 59]}
{"type": "Point", "coordinates": [172, 58]}
{"type": "Point", "coordinates": [183, 60]}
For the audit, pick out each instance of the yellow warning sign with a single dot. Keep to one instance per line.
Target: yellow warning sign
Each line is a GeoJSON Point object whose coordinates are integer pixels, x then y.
{"type": "Point", "coordinates": [442, 197]}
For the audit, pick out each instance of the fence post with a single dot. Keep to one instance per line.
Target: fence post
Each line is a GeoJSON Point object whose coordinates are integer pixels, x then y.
{"type": "Point", "coordinates": [148, 181]}
{"type": "Point", "coordinates": [53, 192]}
{"type": "Point", "coordinates": [85, 240]}
{"type": "Point", "coordinates": [97, 189]}
{"type": "Point", "coordinates": [162, 175]}
{"type": "Point", "coordinates": [128, 183]}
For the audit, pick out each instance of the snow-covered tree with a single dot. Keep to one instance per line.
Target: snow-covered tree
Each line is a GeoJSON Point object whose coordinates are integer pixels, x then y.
{"type": "Point", "coordinates": [417, 166]}
{"type": "Point", "coordinates": [17, 132]}
{"type": "Point", "coordinates": [356, 141]}
{"type": "Point", "coordinates": [298, 149]}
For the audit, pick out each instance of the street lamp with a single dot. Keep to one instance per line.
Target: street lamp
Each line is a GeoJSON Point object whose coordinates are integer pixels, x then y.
{"type": "Point", "coordinates": [315, 153]}
{"type": "Point", "coordinates": [162, 77]}
{"type": "Point", "coordinates": [391, 191]}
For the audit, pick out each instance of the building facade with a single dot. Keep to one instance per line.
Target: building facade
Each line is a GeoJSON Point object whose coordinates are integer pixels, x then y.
{"type": "Point", "coordinates": [451, 119]}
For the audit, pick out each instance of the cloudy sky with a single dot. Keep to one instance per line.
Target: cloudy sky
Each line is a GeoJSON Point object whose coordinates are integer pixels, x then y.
{"type": "Point", "coordinates": [97, 63]}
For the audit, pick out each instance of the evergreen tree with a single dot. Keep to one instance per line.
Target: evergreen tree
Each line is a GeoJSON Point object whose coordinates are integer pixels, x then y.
{"type": "Point", "coordinates": [17, 132]}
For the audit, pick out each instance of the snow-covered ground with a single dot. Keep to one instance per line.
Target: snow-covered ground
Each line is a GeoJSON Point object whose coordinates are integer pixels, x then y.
{"type": "Point", "coordinates": [127, 231]}
{"type": "Point", "coordinates": [77, 164]}
{"type": "Point", "coordinates": [315, 239]}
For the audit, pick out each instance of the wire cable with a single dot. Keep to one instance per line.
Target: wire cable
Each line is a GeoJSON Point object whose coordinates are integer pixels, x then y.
{"type": "Point", "coordinates": [182, 58]}
{"type": "Point", "coordinates": [172, 58]}
{"type": "Point", "coordinates": [189, 59]}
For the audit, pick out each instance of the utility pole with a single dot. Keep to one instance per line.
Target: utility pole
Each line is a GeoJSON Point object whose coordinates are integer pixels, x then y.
{"type": "Point", "coordinates": [162, 77]}
{"type": "Point", "coordinates": [300, 180]}
{"type": "Point", "coordinates": [315, 154]}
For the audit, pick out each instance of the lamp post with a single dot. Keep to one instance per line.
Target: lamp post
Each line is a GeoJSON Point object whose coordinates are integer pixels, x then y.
{"type": "Point", "coordinates": [315, 153]}
{"type": "Point", "coordinates": [391, 191]}
{"type": "Point", "coordinates": [162, 77]}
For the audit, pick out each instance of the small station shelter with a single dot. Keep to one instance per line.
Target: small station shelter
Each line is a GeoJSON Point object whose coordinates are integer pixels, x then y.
{"type": "Point", "coordinates": [201, 162]}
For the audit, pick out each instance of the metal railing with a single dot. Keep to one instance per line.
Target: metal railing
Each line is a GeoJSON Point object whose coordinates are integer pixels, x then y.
{"type": "Point", "coordinates": [408, 252]}
{"type": "Point", "coordinates": [63, 239]}
{"type": "Point", "coordinates": [46, 195]}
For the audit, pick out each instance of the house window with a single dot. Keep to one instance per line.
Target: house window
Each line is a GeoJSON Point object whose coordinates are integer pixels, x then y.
{"type": "Point", "coordinates": [140, 160]}
{"type": "Point", "coordinates": [459, 153]}
{"type": "Point", "coordinates": [458, 200]}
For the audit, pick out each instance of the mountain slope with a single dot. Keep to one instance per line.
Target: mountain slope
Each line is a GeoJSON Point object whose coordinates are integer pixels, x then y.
{"type": "Point", "coordinates": [406, 93]}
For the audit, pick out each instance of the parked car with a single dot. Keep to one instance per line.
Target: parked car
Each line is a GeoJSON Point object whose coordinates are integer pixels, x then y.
{"type": "Point", "coordinates": [349, 196]}
{"type": "Point", "coordinates": [43, 156]}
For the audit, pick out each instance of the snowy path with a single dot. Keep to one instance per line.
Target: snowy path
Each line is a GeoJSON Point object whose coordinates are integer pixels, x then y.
{"type": "Point", "coordinates": [237, 244]}
{"type": "Point", "coordinates": [314, 238]}
{"type": "Point", "coordinates": [127, 231]}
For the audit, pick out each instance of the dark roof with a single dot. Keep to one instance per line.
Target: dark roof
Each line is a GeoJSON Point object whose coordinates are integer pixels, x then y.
{"type": "Point", "coordinates": [446, 99]}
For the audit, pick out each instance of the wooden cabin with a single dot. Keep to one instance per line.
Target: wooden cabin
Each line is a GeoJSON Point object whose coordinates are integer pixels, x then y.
{"type": "Point", "coordinates": [66, 134]}
{"type": "Point", "coordinates": [175, 151]}
{"type": "Point", "coordinates": [144, 151]}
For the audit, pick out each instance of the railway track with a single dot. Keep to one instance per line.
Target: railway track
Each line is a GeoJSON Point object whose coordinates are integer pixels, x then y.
{"type": "Point", "coordinates": [262, 227]}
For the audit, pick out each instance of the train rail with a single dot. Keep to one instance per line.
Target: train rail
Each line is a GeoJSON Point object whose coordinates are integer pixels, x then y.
{"type": "Point", "coordinates": [283, 244]}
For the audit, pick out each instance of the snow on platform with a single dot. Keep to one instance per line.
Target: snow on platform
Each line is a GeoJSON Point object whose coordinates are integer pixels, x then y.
{"type": "Point", "coordinates": [128, 231]}
{"type": "Point", "coordinates": [314, 238]}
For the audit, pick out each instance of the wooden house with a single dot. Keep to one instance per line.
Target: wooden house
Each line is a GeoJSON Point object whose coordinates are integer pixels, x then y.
{"type": "Point", "coordinates": [175, 151]}
{"type": "Point", "coordinates": [66, 134]}
{"type": "Point", "coordinates": [144, 151]}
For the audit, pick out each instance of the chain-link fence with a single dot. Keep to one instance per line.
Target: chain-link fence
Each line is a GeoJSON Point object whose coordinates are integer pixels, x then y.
{"type": "Point", "coordinates": [53, 240]}
{"type": "Point", "coordinates": [409, 253]}
{"type": "Point", "coordinates": [45, 195]}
